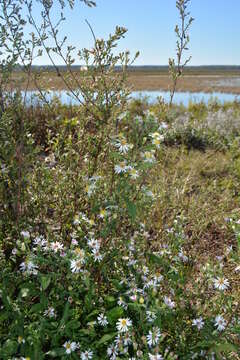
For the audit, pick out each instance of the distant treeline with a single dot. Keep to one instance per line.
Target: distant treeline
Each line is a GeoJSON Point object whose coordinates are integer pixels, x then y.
{"type": "Point", "coordinates": [145, 68]}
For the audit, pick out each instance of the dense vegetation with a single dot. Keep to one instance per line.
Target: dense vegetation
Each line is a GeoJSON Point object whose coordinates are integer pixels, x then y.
{"type": "Point", "coordinates": [122, 240]}
{"type": "Point", "coordinates": [119, 220]}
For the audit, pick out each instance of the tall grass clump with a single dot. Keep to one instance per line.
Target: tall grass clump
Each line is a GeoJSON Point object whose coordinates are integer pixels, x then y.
{"type": "Point", "coordinates": [84, 273]}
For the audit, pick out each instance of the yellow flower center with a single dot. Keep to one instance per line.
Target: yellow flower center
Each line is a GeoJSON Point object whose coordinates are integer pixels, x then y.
{"type": "Point", "coordinates": [123, 142]}
{"type": "Point", "coordinates": [124, 322]}
{"type": "Point", "coordinates": [102, 212]}
{"type": "Point", "coordinates": [79, 252]}
{"type": "Point", "coordinates": [20, 339]}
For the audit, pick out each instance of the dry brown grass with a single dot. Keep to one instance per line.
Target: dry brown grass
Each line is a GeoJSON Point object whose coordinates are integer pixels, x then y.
{"type": "Point", "coordinates": [151, 80]}
{"type": "Point", "coordinates": [201, 187]}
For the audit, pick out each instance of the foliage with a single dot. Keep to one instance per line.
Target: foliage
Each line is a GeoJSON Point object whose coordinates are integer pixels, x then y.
{"type": "Point", "coordinates": [84, 272]}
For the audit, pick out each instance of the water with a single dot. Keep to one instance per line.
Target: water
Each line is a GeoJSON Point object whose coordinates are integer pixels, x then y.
{"type": "Point", "coordinates": [186, 97]}
{"type": "Point", "coordinates": [152, 96]}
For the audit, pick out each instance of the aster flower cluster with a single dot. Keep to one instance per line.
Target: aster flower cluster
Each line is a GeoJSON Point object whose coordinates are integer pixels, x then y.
{"type": "Point", "coordinates": [101, 283]}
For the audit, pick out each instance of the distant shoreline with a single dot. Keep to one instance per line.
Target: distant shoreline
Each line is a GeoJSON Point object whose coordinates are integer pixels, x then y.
{"type": "Point", "coordinates": [205, 79]}
{"type": "Point", "coordinates": [148, 68]}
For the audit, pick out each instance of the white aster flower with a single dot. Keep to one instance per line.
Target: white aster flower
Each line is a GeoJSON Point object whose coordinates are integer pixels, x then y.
{"type": "Point", "coordinates": [168, 302]}
{"type": "Point", "coordinates": [221, 283]}
{"type": "Point", "coordinates": [29, 267]}
{"type": "Point", "coordinates": [96, 254]}
{"type": "Point", "coordinates": [40, 241]}
{"type": "Point", "coordinates": [119, 341]}
{"type": "Point", "coordinates": [163, 126]}
{"type": "Point", "coordinates": [74, 242]}
{"type": "Point", "coordinates": [127, 339]}
{"type": "Point", "coordinates": [220, 323]}
{"type": "Point", "coordinates": [102, 320]}
{"type": "Point", "coordinates": [121, 168]}
{"type": "Point", "coordinates": [151, 316]}
{"type": "Point", "coordinates": [112, 351]}
{"type": "Point", "coordinates": [149, 157]}
{"type": "Point", "coordinates": [89, 190]}
{"type": "Point", "coordinates": [25, 234]}
{"type": "Point", "coordinates": [153, 337]}
{"type": "Point", "coordinates": [199, 323]}
{"type": "Point", "coordinates": [50, 312]}
{"type": "Point", "coordinates": [134, 174]}
{"type": "Point", "coordinates": [56, 246]}
{"type": "Point", "coordinates": [155, 357]}
{"type": "Point", "coordinates": [122, 303]}
{"type": "Point", "coordinates": [94, 244]}
{"type": "Point", "coordinates": [76, 265]}
{"type": "Point", "coordinates": [70, 346]}
{"type": "Point", "coordinates": [157, 139]}
{"type": "Point", "coordinates": [182, 256]}
{"type": "Point", "coordinates": [85, 355]}
{"type": "Point", "coordinates": [123, 146]}
{"type": "Point", "coordinates": [123, 324]}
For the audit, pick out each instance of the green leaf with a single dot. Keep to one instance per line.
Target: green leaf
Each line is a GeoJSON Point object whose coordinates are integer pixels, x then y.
{"type": "Point", "coordinates": [117, 284]}
{"type": "Point", "coordinates": [114, 314]}
{"type": "Point", "coordinates": [110, 299]}
{"type": "Point", "coordinates": [93, 314]}
{"type": "Point", "coordinates": [10, 347]}
{"type": "Point", "coordinates": [73, 324]}
{"type": "Point", "coordinates": [45, 281]}
{"type": "Point", "coordinates": [88, 333]}
{"type": "Point", "coordinates": [132, 209]}
{"type": "Point", "coordinates": [56, 352]}
{"type": "Point", "coordinates": [106, 338]}
{"type": "Point", "coordinates": [135, 307]}
{"type": "Point", "coordinates": [36, 308]}
{"type": "Point", "coordinates": [223, 347]}
{"type": "Point", "coordinates": [159, 261]}
{"type": "Point", "coordinates": [65, 314]}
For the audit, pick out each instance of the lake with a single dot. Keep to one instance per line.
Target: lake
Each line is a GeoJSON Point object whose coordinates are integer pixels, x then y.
{"type": "Point", "coordinates": [185, 97]}
{"type": "Point", "coordinates": [152, 96]}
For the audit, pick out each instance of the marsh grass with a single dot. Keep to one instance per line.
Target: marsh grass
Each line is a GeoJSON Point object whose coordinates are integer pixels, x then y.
{"type": "Point", "coordinates": [139, 80]}
{"type": "Point", "coordinates": [202, 187]}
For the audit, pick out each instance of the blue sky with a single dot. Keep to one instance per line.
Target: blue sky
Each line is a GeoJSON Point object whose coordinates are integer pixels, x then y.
{"type": "Point", "coordinates": [214, 36]}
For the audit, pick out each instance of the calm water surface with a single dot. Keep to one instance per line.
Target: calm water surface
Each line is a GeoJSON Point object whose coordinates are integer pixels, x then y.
{"type": "Point", "coordinates": [186, 97]}
{"type": "Point", "coordinates": [152, 96]}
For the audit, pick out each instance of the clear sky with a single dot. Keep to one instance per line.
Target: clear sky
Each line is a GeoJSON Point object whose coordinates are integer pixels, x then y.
{"type": "Point", "coordinates": [214, 36]}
